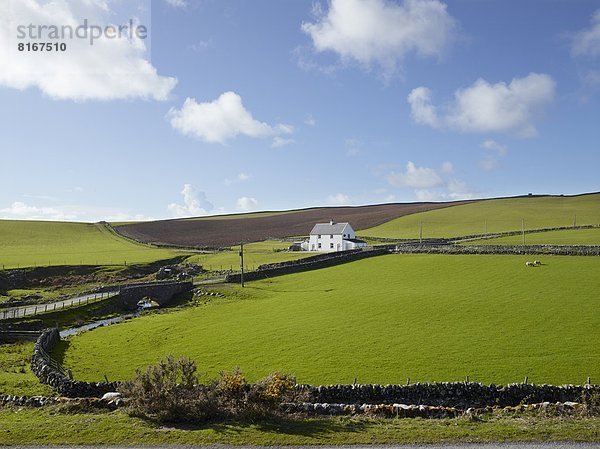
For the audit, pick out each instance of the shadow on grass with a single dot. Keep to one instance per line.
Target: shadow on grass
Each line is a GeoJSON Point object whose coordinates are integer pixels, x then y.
{"type": "Point", "coordinates": [59, 351]}
{"type": "Point", "coordinates": [314, 427]}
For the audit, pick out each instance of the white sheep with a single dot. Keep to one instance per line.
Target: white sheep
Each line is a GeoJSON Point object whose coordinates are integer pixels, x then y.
{"type": "Point", "coordinates": [530, 264]}
{"type": "Point", "coordinates": [111, 397]}
{"type": "Point", "coordinates": [537, 262]}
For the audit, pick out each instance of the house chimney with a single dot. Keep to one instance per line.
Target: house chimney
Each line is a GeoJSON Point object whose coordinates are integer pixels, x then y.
{"type": "Point", "coordinates": [331, 222]}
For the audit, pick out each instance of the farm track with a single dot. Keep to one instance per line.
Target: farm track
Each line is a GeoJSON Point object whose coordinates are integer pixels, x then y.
{"type": "Point", "coordinates": [224, 232]}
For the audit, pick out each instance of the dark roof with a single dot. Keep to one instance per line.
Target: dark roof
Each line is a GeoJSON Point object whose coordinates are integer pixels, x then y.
{"type": "Point", "coordinates": [328, 228]}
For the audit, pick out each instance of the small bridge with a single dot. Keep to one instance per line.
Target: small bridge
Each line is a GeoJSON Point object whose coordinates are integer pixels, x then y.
{"type": "Point", "coordinates": [161, 292]}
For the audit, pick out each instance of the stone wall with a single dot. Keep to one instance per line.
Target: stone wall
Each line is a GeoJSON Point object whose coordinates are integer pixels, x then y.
{"type": "Point", "coordinates": [460, 395]}
{"type": "Point", "coordinates": [558, 250]}
{"type": "Point", "coordinates": [50, 372]}
{"type": "Point", "coordinates": [310, 263]}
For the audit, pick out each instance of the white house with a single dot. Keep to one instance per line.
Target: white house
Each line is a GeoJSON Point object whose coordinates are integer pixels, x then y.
{"type": "Point", "coordinates": [332, 237]}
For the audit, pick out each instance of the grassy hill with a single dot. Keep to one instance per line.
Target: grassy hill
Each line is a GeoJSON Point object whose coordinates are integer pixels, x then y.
{"type": "Point", "coordinates": [385, 319]}
{"type": "Point", "coordinates": [498, 215]}
{"type": "Point", "coordinates": [561, 237]}
{"type": "Point", "coordinates": [229, 230]}
{"type": "Point", "coordinates": [37, 243]}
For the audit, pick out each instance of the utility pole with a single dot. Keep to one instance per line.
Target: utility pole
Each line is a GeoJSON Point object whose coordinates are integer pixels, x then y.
{"type": "Point", "coordinates": [242, 263]}
{"type": "Point", "coordinates": [420, 232]}
{"type": "Point", "coordinates": [486, 228]}
{"type": "Point", "coordinates": [575, 221]}
{"type": "Point", "coordinates": [523, 229]}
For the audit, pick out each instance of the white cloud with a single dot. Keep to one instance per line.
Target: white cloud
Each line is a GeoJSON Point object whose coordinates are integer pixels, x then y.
{"type": "Point", "coordinates": [19, 210]}
{"type": "Point", "coordinates": [177, 3]}
{"type": "Point", "coordinates": [382, 32]}
{"type": "Point", "coordinates": [339, 199]}
{"type": "Point", "coordinates": [492, 145]}
{"type": "Point", "coordinates": [194, 203]}
{"type": "Point", "coordinates": [485, 107]}
{"type": "Point", "coordinates": [421, 109]}
{"type": "Point", "coordinates": [221, 120]}
{"type": "Point", "coordinates": [279, 142]}
{"type": "Point", "coordinates": [447, 167]}
{"type": "Point", "coordinates": [415, 177]}
{"type": "Point", "coordinates": [352, 147]}
{"type": "Point", "coordinates": [587, 42]}
{"type": "Point", "coordinates": [200, 46]}
{"type": "Point", "coordinates": [310, 120]}
{"type": "Point", "coordinates": [459, 190]}
{"type": "Point", "coordinates": [115, 68]}
{"type": "Point", "coordinates": [247, 204]}
{"type": "Point", "coordinates": [241, 177]}
{"type": "Point", "coordinates": [454, 190]}
{"type": "Point", "coordinates": [494, 151]}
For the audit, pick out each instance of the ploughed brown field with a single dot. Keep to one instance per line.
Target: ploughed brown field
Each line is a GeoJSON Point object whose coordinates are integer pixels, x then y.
{"type": "Point", "coordinates": [223, 231]}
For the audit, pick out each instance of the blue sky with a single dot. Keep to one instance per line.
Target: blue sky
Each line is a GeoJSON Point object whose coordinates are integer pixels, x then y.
{"type": "Point", "coordinates": [233, 105]}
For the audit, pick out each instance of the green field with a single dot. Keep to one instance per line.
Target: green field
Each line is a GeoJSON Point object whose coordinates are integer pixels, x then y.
{"type": "Point", "coordinates": [15, 375]}
{"type": "Point", "coordinates": [381, 320]}
{"type": "Point", "coordinates": [562, 237]}
{"type": "Point", "coordinates": [42, 243]}
{"type": "Point", "coordinates": [255, 254]}
{"type": "Point", "coordinates": [493, 216]}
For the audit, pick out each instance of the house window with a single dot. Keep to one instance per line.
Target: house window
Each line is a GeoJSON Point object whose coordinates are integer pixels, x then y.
{"type": "Point", "coordinates": [331, 236]}
{"type": "Point", "coordinates": [319, 236]}
{"type": "Point", "coordinates": [319, 245]}
{"type": "Point", "coordinates": [331, 245]}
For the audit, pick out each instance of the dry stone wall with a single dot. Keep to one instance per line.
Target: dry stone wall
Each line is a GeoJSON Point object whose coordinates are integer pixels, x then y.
{"type": "Point", "coordinates": [51, 373]}
{"type": "Point", "coordinates": [558, 250]}
{"type": "Point", "coordinates": [310, 263]}
{"type": "Point", "coordinates": [460, 395]}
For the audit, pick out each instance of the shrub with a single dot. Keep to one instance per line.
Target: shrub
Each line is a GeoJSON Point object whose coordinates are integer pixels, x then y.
{"type": "Point", "coordinates": [170, 391]}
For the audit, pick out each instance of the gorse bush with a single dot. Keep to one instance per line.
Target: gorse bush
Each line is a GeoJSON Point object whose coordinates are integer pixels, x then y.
{"type": "Point", "coordinates": [170, 391]}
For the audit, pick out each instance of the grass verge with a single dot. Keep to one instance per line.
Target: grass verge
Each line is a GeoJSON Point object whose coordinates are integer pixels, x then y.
{"type": "Point", "coordinates": [48, 426]}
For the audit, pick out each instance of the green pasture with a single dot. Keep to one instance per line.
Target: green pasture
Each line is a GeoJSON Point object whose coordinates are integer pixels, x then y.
{"type": "Point", "coordinates": [493, 216]}
{"type": "Point", "coordinates": [15, 375]}
{"type": "Point", "coordinates": [562, 237]}
{"type": "Point", "coordinates": [42, 243]}
{"type": "Point", "coordinates": [379, 320]}
{"type": "Point", "coordinates": [255, 254]}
